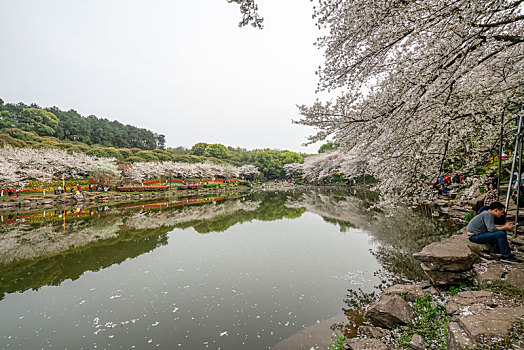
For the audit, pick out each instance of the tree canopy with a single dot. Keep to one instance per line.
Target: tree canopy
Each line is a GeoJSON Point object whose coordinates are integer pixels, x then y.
{"type": "Point", "coordinates": [70, 125]}
{"type": "Point", "coordinates": [419, 83]}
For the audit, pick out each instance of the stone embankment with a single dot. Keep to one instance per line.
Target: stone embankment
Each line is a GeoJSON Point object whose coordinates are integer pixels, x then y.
{"type": "Point", "coordinates": [93, 198]}
{"type": "Point", "coordinates": [489, 314]}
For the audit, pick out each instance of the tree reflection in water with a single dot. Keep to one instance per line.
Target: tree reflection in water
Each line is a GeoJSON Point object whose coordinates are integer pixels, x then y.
{"type": "Point", "coordinates": [37, 251]}
{"type": "Point", "coordinates": [397, 233]}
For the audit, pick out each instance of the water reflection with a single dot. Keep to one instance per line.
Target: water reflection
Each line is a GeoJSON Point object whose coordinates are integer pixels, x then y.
{"type": "Point", "coordinates": [46, 249]}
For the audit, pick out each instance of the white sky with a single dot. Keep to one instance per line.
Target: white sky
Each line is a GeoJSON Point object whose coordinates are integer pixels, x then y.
{"type": "Point", "coordinates": [180, 68]}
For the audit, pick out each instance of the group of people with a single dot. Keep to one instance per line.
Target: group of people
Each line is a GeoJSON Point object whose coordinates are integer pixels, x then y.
{"type": "Point", "coordinates": [10, 192]}
{"type": "Point", "coordinates": [78, 188]}
{"type": "Point", "coordinates": [445, 182]}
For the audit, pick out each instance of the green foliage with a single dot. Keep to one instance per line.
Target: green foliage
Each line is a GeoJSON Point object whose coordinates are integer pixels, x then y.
{"type": "Point", "coordinates": [134, 159]}
{"type": "Point", "coordinates": [216, 150]}
{"type": "Point", "coordinates": [147, 156]}
{"type": "Point", "coordinates": [39, 121]}
{"type": "Point", "coordinates": [269, 163]}
{"type": "Point", "coordinates": [503, 288]}
{"type": "Point", "coordinates": [198, 149]}
{"type": "Point", "coordinates": [291, 157]}
{"type": "Point", "coordinates": [6, 120]}
{"type": "Point", "coordinates": [6, 140]}
{"type": "Point", "coordinates": [431, 323]}
{"type": "Point", "coordinates": [71, 126]}
{"type": "Point", "coordinates": [328, 147]}
{"type": "Point", "coordinates": [468, 284]}
{"type": "Point", "coordinates": [469, 215]}
{"type": "Point", "coordinates": [339, 341]}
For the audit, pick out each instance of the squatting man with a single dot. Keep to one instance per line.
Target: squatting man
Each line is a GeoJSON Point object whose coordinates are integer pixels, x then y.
{"type": "Point", "coordinates": [482, 229]}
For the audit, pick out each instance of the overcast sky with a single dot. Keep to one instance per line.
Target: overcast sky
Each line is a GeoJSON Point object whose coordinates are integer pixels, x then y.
{"type": "Point", "coordinates": [180, 68]}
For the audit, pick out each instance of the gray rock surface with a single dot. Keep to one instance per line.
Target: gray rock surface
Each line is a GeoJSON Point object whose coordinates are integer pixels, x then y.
{"type": "Point", "coordinates": [372, 332]}
{"type": "Point", "coordinates": [417, 343]}
{"type": "Point", "coordinates": [515, 277]}
{"type": "Point", "coordinates": [488, 272]}
{"type": "Point", "coordinates": [457, 337]}
{"type": "Point", "coordinates": [448, 261]}
{"type": "Point", "coordinates": [445, 277]}
{"type": "Point", "coordinates": [495, 324]}
{"type": "Point", "coordinates": [389, 311]}
{"type": "Point", "coordinates": [470, 302]}
{"type": "Point", "coordinates": [410, 291]}
{"type": "Point", "coordinates": [364, 344]}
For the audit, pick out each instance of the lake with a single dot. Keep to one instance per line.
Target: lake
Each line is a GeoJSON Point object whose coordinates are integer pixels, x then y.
{"type": "Point", "coordinates": [242, 271]}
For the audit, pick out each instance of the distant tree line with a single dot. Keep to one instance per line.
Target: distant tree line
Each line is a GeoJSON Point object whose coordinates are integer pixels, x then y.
{"type": "Point", "coordinates": [269, 162]}
{"type": "Point", "coordinates": [71, 126]}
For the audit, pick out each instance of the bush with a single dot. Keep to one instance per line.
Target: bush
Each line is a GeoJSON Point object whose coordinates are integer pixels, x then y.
{"type": "Point", "coordinates": [469, 215]}
{"type": "Point", "coordinates": [147, 156]}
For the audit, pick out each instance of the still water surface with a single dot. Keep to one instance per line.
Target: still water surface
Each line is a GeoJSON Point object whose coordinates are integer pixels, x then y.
{"type": "Point", "coordinates": [243, 272]}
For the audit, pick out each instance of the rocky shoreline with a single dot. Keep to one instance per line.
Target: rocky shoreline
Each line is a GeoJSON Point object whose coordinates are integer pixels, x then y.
{"type": "Point", "coordinates": [481, 299]}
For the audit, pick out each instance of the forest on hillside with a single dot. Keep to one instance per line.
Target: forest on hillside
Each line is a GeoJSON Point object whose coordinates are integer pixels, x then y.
{"type": "Point", "coordinates": [71, 126]}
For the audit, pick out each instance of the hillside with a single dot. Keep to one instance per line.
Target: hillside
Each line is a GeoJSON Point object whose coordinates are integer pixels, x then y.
{"type": "Point", "coordinates": [20, 138]}
{"type": "Point", "coordinates": [71, 126]}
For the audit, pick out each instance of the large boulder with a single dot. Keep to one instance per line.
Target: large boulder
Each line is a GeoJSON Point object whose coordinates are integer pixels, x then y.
{"type": "Point", "coordinates": [389, 311]}
{"type": "Point", "coordinates": [448, 261]}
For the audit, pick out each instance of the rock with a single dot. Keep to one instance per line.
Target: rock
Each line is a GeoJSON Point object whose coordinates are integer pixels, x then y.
{"type": "Point", "coordinates": [470, 302]}
{"type": "Point", "coordinates": [448, 261]}
{"type": "Point", "coordinates": [417, 342]}
{"type": "Point", "coordinates": [488, 272]}
{"type": "Point", "coordinates": [372, 332]}
{"type": "Point", "coordinates": [78, 196]}
{"type": "Point", "coordinates": [389, 311]}
{"type": "Point", "coordinates": [450, 254]}
{"type": "Point", "coordinates": [495, 271]}
{"type": "Point", "coordinates": [445, 277]}
{"type": "Point", "coordinates": [457, 338]}
{"type": "Point", "coordinates": [410, 291]}
{"type": "Point", "coordinates": [494, 324]}
{"type": "Point", "coordinates": [364, 344]}
{"type": "Point", "coordinates": [515, 277]}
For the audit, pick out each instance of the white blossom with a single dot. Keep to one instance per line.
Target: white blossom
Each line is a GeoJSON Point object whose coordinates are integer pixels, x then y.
{"type": "Point", "coordinates": [421, 85]}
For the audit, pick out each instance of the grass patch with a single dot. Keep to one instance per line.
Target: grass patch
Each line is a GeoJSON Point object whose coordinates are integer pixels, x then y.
{"type": "Point", "coordinates": [503, 288]}
{"type": "Point", "coordinates": [337, 344]}
{"type": "Point", "coordinates": [468, 284]}
{"type": "Point", "coordinates": [431, 324]}
{"type": "Point", "coordinates": [469, 215]}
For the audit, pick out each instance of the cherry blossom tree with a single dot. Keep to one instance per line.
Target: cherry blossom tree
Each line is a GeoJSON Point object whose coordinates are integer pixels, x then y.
{"type": "Point", "coordinates": [249, 11]}
{"type": "Point", "coordinates": [293, 169]}
{"type": "Point", "coordinates": [420, 84]}
{"type": "Point", "coordinates": [249, 171]}
{"type": "Point", "coordinates": [20, 164]}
